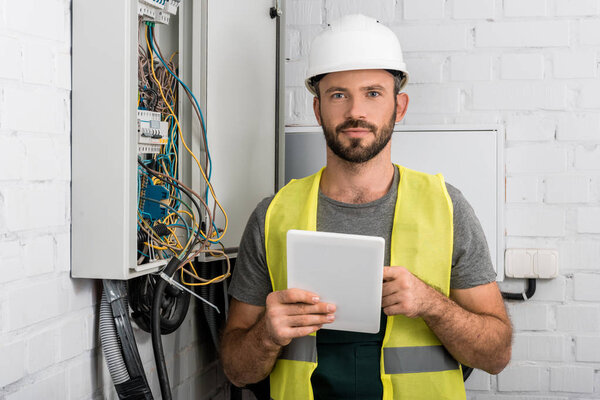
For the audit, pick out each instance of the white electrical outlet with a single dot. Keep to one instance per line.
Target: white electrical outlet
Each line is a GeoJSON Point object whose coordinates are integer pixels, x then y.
{"type": "Point", "coordinates": [531, 263]}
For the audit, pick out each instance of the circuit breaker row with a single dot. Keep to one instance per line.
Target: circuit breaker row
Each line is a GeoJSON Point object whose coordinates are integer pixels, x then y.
{"type": "Point", "coordinates": [152, 132]}
{"type": "Point", "coordinates": [158, 11]}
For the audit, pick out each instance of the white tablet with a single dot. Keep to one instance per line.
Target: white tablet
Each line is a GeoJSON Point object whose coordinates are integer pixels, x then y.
{"type": "Point", "coordinates": [346, 270]}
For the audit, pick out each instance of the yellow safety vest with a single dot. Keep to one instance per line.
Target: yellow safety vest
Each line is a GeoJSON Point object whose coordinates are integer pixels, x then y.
{"type": "Point", "coordinates": [414, 364]}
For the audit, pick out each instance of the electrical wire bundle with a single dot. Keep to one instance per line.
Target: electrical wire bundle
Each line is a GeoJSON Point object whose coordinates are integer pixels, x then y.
{"type": "Point", "coordinates": [170, 214]}
{"type": "Point", "coordinates": [184, 206]}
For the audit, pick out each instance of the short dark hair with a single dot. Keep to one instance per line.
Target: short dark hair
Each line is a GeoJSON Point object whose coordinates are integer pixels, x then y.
{"type": "Point", "coordinates": [399, 77]}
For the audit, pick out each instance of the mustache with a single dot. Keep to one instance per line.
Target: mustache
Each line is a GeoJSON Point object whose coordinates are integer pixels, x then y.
{"type": "Point", "coordinates": [355, 123]}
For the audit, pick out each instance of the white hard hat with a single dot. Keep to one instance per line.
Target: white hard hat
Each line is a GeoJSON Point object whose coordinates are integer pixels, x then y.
{"type": "Point", "coordinates": [354, 42]}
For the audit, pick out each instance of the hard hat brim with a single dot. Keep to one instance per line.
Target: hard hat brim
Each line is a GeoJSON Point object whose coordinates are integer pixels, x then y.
{"type": "Point", "coordinates": [308, 82]}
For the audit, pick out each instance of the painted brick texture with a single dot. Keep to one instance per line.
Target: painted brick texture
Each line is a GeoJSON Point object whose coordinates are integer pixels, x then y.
{"type": "Point", "coordinates": [533, 68]}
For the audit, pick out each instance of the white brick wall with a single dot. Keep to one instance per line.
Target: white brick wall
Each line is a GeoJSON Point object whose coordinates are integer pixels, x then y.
{"type": "Point", "coordinates": [522, 66]}
{"type": "Point", "coordinates": [588, 220]}
{"type": "Point", "coordinates": [588, 96]}
{"type": "Point", "coordinates": [470, 68]}
{"type": "Point", "coordinates": [567, 189]}
{"type": "Point", "coordinates": [414, 38]}
{"type": "Point", "coordinates": [473, 9]}
{"type": "Point", "coordinates": [577, 7]}
{"type": "Point", "coordinates": [49, 347]}
{"type": "Point", "coordinates": [423, 9]}
{"type": "Point", "coordinates": [522, 189]}
{"type": "Point", "coordinates": [587, 348]}
{"type": "Point", "coordinates": [533, 67]}
{"type": "Point", "coordinates": [578, 318]}
{"type": "Point", "coordinates": [528, 347]}
{"type": "Point", "coordinates": [530, 8]}
{"type": "Point", "coordinates": [580, 127]}
{"type": "Point", "coordinates": [526, 378]}
{"type": "Point", "coordinates": [530, 127]}
{"type": "Point", "coordinates": [571, 64]}
{"type": "Point", "coordinates": [572, 379]}
{"type": "Point", "coordinates": [522, 34]}
{"type": "Point", "coordinates": [508, 95]}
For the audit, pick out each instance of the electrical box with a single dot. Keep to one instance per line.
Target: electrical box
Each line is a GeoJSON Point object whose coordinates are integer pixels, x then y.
{"type": "Point", "coordinates": [226, 53]}
{"type": "Point", "coordinates": [469, 157]}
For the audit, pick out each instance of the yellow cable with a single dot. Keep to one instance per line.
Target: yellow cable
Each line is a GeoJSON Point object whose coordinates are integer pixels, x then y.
{"type": "Point", "coordinates": [191, 216]}
{"type": "Point", "coordinates": [219, 278]}
{"type": "Point", "coordinates": [156, 247]}
{"type": "Point", "coordinates": [157, 238]}
{"type": "Point", "coordinates": [185, 144]}
{"type": "Point", "coordinates": [175, 237]}
{"type": "Point", "coordinates": [170, 109]}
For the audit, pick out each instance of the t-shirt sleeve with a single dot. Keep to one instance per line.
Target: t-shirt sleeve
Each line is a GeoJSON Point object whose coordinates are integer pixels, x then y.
{"type": "Point", "coordinates": [251, 282]}
{"type": "Point", "coordinates": [471, 262]}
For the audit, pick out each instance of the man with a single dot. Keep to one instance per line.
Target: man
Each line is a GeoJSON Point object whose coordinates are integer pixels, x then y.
{"type": "Point", "coordinates": [440, 302]}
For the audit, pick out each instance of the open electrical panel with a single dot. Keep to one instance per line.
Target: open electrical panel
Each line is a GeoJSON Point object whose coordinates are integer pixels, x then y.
{"type": "Point", "coordinates": [175, 129]}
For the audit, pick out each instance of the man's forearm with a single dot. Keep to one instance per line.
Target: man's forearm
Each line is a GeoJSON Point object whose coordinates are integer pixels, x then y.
{"type": "Point", "coordinates": [477, 340]}
{"type": "Point", "coordinates": [248, 356]}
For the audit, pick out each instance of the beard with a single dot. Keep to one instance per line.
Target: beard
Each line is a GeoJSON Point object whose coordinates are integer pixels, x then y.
{"type": "Point", "coordinates": [355, 152]}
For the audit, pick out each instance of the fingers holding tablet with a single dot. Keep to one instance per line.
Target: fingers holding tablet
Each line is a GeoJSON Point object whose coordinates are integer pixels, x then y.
{"type": "Point", "coordinates": [294, 313]}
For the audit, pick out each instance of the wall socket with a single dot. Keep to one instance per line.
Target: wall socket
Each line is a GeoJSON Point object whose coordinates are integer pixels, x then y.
{"type": "Point", "coordinates": [531, 263]}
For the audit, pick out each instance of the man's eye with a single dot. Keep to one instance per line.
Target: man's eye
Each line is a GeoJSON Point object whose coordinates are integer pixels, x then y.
{"type": "Point", "coordinates": [373, 94]}
{"type": "Point", "coordinates": [337, 95]}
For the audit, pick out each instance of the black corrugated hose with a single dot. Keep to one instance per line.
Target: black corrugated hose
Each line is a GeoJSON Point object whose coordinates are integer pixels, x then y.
{"type": "Point", "coordinates": [159, 356]}
{"type": "Point", "coordinates": [119, 345]}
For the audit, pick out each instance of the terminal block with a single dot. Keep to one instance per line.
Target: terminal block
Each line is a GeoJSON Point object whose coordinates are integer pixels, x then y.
{"type": "Point", "coordinates": [171, 6]}
{"type": "Point", "coordinates": [147, 12]}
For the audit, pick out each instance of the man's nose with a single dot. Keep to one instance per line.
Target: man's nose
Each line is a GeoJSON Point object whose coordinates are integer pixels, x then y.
{"type": "Point", "coordinates": [356, 108]}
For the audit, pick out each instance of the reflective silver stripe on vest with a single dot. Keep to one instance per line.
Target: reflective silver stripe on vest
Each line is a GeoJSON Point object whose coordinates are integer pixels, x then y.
{"type": "Point", "coordinates": [301, 349]}
{"type": "Point", "coordinates": [404, 360]}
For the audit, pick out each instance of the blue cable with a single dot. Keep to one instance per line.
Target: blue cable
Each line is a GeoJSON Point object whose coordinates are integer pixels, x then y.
{"type": "Point", "coordinates": [199, 109]}
{"type": "Point", "coordinates": [190, 231]}
{"type": "Point", "coordinates": [193, 97]}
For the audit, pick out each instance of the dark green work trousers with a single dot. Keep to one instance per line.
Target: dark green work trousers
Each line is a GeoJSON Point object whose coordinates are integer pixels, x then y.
{"type": "Point", "coordinates": [348, 365]}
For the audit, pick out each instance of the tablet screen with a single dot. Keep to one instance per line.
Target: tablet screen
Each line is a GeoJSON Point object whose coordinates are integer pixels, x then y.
{"type": "Point", "coordinates": [346, 270]}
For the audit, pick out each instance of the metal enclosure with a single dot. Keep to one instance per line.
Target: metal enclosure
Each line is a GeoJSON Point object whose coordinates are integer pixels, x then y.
{"type": "Point", "coordinates": [240, 110]}
{"type": "Point", "coordinates": [469, 157]}
{"type": "Point", "coordinates": [228, 57]}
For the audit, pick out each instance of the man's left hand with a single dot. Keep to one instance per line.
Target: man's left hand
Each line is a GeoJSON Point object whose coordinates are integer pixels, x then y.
{"type": "Point", "coordinates": [403, 293]}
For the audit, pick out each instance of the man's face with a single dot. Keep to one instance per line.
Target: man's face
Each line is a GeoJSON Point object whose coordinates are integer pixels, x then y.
{"type": "Point", "coordinates": [358, 110]}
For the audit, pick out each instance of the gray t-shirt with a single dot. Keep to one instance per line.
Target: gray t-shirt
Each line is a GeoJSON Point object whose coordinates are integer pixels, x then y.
{"type": "Point", "coordinates": [471, 262]}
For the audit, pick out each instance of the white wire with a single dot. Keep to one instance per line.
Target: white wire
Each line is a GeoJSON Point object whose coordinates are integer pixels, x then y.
{"type": "Point", "coordinates": [180, 286]}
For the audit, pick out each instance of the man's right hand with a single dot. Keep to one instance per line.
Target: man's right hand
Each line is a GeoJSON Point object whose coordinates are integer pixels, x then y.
{"type": "Point", "coordinates": [254, 335]}
{"type": "Point", "coordinates": [293, 313]}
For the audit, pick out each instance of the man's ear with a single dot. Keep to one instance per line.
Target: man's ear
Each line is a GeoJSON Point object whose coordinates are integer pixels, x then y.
{"type": "Point", "coordinates": [317, 109]}
{"type": "Point", "coordinates": [401, 106]}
